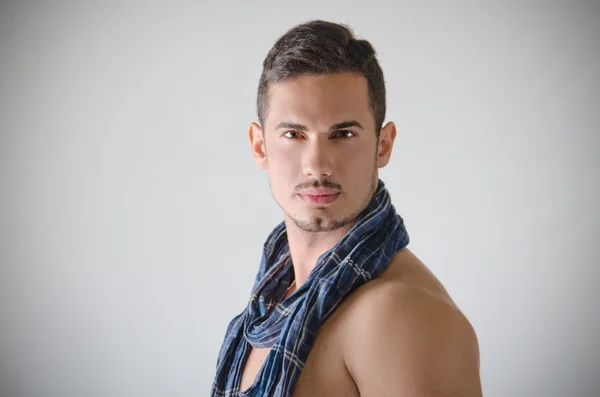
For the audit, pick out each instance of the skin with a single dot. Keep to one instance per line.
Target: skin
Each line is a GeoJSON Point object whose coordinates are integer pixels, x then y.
{"type": "Point", "coordinates": [397, 335]}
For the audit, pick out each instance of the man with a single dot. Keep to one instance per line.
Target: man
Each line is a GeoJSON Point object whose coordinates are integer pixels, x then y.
{"type": "Point", "coordinates": [340, 306]}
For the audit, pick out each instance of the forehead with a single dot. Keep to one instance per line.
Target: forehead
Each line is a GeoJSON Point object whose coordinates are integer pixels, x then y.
{"type": "Point", "coordinates": [320, 101]}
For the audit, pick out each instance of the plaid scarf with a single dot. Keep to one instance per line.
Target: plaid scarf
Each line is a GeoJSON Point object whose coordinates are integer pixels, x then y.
{"type": "Point", "coordinates": [289, 326]}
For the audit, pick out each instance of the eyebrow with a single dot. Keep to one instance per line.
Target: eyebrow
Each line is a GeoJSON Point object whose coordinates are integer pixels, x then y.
{"type": "Point", "coordinates": [338, 126]}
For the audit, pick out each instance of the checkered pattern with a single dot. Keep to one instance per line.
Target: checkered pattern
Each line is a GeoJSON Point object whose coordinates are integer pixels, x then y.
{"type": "Point", "coordinates": [289, 326]}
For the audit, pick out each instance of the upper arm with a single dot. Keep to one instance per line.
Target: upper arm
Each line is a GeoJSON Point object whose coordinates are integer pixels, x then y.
{"type": "Point", "coordinates": [408, 342]}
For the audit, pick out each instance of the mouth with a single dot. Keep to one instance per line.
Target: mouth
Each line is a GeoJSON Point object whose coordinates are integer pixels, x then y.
{"type": "Point", "coordinates": [319, 199]}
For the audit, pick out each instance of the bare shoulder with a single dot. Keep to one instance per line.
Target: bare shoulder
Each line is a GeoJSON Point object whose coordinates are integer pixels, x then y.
{"type": "Point", "coordinates": [404, 336]}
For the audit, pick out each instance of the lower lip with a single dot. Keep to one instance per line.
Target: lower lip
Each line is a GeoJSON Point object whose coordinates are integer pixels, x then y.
{"type": "Point", "coordinates": [321, 200]}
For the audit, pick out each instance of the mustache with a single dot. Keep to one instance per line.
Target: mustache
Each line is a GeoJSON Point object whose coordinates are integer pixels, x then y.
{"type": "Point", "coordinates": [318, 184]}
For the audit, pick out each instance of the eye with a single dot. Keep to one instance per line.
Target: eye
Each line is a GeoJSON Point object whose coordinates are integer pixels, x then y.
{"type": "Point", "coordinates": [345, 134]}
{"type": "Point", "coordinates": [292, 132]}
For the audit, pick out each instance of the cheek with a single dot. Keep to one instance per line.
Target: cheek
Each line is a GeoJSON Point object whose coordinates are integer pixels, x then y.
{"type": "Point", "coordinates": [283, 166]}
{"type": "Point", "coordinates": [285, 160]}
{"type": "Point", "coordinates": [283, 156]}
{"type": "Point", "coordinates": [360, 161]}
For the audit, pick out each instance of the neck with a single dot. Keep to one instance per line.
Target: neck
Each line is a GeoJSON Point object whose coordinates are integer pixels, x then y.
{"type": "Point", "coordinates": [306, 247]}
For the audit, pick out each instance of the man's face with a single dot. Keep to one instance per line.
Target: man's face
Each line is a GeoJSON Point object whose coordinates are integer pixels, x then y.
{"type": "Point", "coordinates": [320, 149]}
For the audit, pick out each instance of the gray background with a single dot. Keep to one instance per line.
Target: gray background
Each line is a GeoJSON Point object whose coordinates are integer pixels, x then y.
{"type": "Point", "coordinates": [132, 216]}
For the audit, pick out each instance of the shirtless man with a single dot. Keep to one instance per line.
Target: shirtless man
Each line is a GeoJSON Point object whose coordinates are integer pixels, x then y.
{"type": "Point", "coordinates": [321, 105]}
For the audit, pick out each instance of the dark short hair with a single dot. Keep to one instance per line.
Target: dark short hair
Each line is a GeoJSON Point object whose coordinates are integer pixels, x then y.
{"type": "Point", "coordinates": [320, 47]}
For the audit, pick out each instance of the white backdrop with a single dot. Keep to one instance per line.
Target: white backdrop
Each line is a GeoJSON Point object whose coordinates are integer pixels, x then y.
{"type": "Point", "coordinates": [132, 216]}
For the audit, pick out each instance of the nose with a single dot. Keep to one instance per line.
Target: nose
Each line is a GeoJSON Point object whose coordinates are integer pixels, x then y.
{"type": "Point", "coordinates": [317, 160]}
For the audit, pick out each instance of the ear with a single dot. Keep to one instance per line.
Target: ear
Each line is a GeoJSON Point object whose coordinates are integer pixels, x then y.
{"type": "Point", "coordinates": [257, 143]}
{"type": "Point", "coordinates": [386, 143]}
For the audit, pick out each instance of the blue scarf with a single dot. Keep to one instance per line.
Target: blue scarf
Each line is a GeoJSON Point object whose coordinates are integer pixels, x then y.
{"type": "Point", "coordinates": [289, 326]}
